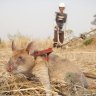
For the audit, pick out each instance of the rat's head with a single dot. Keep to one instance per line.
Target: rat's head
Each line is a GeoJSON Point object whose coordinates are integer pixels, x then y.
{"type": "Point", "coordinates": [21, 61]}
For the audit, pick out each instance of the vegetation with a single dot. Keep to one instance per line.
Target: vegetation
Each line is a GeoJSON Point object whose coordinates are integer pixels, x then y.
{"type": "Point", "coordinates": [94, 21]}
{"type": "Point", "coordinates": [88, 41]}
{"type": "Point", "coordinates": [0, 41]}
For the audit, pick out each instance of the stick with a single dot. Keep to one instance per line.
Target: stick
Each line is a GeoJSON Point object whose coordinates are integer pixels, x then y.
{"type": "Point", "coordinates": [90, 75]}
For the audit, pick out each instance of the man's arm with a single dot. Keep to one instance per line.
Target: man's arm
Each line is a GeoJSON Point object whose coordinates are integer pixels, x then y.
{"type": "Point", "coordinates": [65, 24]}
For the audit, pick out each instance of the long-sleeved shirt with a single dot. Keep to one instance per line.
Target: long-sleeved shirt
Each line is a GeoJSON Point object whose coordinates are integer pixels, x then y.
{"type": "Point", "coordinates": [60, 19]}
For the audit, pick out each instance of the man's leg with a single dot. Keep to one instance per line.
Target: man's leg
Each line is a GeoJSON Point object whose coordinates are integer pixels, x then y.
{"type": "Point", "coordinates": [61, 37]}
{"type": "Point", "coordinates": [55, 38]}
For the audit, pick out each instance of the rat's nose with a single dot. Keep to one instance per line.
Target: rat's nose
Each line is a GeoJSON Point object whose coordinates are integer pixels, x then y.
{"type": "Point", "coordinates": [9, 66]}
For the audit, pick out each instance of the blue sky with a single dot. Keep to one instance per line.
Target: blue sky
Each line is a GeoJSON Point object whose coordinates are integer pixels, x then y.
{"type": "Point", "coordinates": [35, 18]}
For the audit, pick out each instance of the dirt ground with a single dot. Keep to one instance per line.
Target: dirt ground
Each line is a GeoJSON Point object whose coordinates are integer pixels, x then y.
{"type": "Point", "coordinates": [83, 56]}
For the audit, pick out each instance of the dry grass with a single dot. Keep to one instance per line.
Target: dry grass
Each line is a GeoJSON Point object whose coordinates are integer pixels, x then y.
{"type": "Point", "coordinates": [17, 86]}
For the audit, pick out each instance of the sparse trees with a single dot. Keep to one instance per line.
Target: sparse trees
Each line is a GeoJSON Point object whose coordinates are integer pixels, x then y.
{"type": "Point", "coordinates": [94, 21]}
{"type": "Point", "coordinates": [69, 34]}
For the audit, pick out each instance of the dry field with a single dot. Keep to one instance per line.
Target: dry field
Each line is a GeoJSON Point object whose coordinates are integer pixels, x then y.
{"type": "Point", "coordinates": [76, 51]}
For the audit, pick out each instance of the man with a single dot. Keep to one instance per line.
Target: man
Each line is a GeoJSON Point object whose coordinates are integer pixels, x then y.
{"type": "Point", "coordinates": [59, 29]}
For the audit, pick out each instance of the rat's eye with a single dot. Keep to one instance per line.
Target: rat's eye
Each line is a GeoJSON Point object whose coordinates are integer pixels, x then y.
{"type": "Point", "coordinates": [20, 59]}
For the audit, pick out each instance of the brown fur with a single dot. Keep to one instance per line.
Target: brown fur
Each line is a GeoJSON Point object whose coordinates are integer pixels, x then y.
{"type": "Point", "coordinates": [57, 69]}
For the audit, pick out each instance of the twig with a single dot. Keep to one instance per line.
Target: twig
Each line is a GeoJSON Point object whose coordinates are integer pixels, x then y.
{"type": "Point", "coordinates": [20, 90]}
{"type": "Point", "coordinates": [26, 90]}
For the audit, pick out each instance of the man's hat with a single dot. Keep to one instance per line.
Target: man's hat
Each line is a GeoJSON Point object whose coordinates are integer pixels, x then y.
{"type": "Point", "coordinates": [61, 5]}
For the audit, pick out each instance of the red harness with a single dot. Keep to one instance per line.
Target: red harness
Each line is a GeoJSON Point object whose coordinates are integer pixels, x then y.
{"type": "Point", "coordinates": [45, 53]}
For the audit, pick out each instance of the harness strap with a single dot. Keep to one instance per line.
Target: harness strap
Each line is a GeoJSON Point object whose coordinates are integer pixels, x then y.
{"type": "Point", "coordinates": [44, 53]}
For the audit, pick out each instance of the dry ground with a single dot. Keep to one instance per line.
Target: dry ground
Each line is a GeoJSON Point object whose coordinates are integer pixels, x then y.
{"type": "Point", "coordinates": [83, 56]}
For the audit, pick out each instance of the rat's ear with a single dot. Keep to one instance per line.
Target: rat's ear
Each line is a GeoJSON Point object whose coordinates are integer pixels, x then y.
{"type": "Point", "coordinates": [30, 48]}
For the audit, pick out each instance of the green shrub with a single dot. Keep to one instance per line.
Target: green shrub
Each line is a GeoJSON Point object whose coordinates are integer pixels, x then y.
{"type": "Point", "coordinates": [88, 41]}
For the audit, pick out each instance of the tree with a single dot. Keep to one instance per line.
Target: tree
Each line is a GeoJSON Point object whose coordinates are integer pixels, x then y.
{"type": "Point", "coordinates": [69, 34]}
{"type": "Point", "coordinates": [94, 21]}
